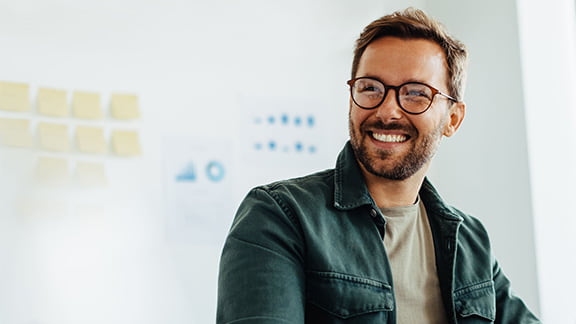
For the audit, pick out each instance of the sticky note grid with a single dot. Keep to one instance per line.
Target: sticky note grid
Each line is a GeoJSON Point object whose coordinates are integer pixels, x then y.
{"type": "Point", "coordinates": [72, 133]}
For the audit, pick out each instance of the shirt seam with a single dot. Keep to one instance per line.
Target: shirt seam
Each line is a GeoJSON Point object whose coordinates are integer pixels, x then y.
{"type": "Point", "coordinates": [261, 247]}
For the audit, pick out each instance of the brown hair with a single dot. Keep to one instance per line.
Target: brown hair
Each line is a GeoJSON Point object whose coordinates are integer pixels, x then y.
{"type": "Point", "coordinates": [415, 23]}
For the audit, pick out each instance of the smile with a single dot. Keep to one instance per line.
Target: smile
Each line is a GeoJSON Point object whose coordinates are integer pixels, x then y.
{"type": "Point", "coordinates": [390, 138]}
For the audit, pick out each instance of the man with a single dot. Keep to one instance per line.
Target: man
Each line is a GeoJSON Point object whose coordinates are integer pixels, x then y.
{"type": "Point", "coordinates": [371, 241]}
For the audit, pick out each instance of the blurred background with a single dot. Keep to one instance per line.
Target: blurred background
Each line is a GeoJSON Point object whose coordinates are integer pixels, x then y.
{"type": "Point", "coordinates": [131, 130]}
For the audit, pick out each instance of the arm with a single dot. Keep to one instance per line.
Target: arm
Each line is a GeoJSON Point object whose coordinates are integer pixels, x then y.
{"type": "Point", "coordinates": [509, 308]}
{"type": "Point", "coordinates": [261, 277]}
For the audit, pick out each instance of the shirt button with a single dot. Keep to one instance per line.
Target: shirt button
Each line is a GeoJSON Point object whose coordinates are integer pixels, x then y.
{"type": "Point", "coordinates": [373, 212]}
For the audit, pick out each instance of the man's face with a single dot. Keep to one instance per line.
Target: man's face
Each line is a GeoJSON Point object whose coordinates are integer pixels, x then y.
{"type": "Point", "coordinates": [387, 141]}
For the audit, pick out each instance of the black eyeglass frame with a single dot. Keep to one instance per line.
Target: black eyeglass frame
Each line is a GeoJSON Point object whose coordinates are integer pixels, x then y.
{"type": "Point", "coordinates": [396, 88]}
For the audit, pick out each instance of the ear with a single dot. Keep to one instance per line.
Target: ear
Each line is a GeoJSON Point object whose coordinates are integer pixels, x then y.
{"type": "Point", "coordinates": [457, 112]}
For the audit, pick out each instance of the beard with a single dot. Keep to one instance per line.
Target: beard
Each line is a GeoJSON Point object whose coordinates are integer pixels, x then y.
{"type": "Point", "coordinates": [407, 164]}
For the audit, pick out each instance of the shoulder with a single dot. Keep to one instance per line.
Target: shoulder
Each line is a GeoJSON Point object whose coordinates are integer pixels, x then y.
{"type": "Point", "coordinates": [301, 189]}
{"type": "Point", "coordinates": [470, 223]}
{"type": "Point", "coordinates": [288, 197]}
{"type": "Point", "coordinates": [472, 236]}
{"type": "Point", "coordinates": [274, 211]}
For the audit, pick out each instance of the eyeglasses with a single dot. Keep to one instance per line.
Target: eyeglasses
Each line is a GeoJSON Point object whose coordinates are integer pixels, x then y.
{"type": "Point", "coordinates": [413, 97]}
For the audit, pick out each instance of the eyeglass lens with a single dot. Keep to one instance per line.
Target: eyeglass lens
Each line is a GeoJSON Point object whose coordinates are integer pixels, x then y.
{"type": "Point", "coordinates": [412, 97]}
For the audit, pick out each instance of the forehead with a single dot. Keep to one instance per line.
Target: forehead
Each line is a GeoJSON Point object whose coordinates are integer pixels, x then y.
{"type": "Point", "coordinates": [396, 60]}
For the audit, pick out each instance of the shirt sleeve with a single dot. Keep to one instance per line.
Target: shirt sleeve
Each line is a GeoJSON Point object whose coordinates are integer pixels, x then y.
{"type": "Point", "coordinates": [510, 309]}
{"type": "Point", "coordinates": [261, 277]}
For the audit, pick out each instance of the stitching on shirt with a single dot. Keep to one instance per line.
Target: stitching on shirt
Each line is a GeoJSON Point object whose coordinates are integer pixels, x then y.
{"type": "Point", "coordinates": [347, 314]}
{"type": "Point", "coordinates": [338, 182]}
{"type": "Point", "coordinates": [261, 247]}
{"type": "Point", "coordinates": [474, 288]}
{"type": "Point", "coordinates": [342, 280]}
{"type": "Point", "coordinates": [258, 317]}
{"type": "Point", "coordinates": [284, 207]}
{"type": "Point", "coordinates": [351, 279]}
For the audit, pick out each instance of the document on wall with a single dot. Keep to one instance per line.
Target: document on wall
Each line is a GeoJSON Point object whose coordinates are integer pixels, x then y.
{"type": "Point", "coordinates": [284, 137]}
{"type": "Point", "coordinates": [198, 184]}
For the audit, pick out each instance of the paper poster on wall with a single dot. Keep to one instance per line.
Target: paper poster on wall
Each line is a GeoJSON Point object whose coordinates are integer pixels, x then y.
{"type": "Point", "coordinates": [283, 137]}
{"type": "Point", "coordinates": [198, 184]}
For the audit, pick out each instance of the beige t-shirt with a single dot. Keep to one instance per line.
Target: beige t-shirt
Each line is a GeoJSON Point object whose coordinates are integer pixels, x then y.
{"type": "Point", "coordinates": [410, 248]}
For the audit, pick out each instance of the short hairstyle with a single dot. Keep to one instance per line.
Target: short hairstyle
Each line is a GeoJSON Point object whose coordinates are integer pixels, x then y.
{"type": "Point", "coordinates": [413, 23]}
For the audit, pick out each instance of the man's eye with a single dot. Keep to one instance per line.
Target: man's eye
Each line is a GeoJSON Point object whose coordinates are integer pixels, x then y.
{"type": "Point", "coordinates": [417, 93]}
{"type": "Point", "coordinates": [370, 89]}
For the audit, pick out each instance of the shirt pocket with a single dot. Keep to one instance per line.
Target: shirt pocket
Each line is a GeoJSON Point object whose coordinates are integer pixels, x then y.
{"type": "Point", "coordinates": [347, 296]}
{"type": "Point", "coordinates": [476, 303]}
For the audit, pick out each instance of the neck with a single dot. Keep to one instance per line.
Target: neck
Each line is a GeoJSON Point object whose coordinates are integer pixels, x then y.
{"type": "Point", "coordinates": [394, 193]}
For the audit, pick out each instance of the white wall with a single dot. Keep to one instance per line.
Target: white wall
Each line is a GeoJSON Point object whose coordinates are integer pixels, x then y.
{"type": "Point", "coordinates": [548, 42]}
{"type": "Point", "coordinates": [128, 259]}
{"type": "Point", "coordinates": [120, 255]}
{"type": "Point", "coordinates": [484, 169]}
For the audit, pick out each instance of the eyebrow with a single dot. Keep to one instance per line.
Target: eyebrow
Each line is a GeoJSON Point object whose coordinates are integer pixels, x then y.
{"type": "Point", "coordinates": [405, 81]}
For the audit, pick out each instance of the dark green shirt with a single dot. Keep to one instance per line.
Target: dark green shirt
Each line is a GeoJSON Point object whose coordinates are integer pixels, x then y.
{"type": "Point", "coordinates": [310, 250]}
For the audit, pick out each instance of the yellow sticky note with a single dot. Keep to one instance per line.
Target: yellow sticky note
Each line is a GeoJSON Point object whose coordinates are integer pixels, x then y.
{"type": "Point", "coordinates": [52, 102]}
{"type": "Point", "coordinates": [14, 96]}
{"type": "Point", "coordinates": [90, 139]}
{"type": "Point", "coordinates": [41, 208]}
{"type": "Point", "coordinates": [51, 170]}
{"type": "Point", "coordinates": [90, 174]}
{"type": "Point", "coordinates": [15, 132]}
{"type": "Point", "coordinates": [53, 137]}
{"type": "Point", "coordinates": [126, 143]}
{"type": "Point", "coordinates": [124, 106]}
{"type": "Point", "coordinates": [86, 105]}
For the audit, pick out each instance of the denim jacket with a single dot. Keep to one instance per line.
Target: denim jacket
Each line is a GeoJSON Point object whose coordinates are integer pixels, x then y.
{"type": "Point", "coordinates": [310, 250]}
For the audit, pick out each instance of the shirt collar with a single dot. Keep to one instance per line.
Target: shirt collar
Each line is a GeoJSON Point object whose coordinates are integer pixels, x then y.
{"type": "Point", "coordinates": [350, 189]}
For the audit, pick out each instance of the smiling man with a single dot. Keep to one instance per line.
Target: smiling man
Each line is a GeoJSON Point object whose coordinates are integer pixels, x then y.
{"type": "Point", "coordinates": [371, 241]}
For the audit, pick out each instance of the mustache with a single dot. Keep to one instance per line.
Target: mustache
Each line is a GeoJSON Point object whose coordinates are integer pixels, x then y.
{"type": "Point", "coordinates": [379, 125]}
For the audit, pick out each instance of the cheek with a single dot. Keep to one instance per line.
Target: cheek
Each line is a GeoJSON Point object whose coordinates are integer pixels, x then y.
{"type": "Point", "coordinates": [429, 121]}
{"type": "Point", "coordinates": [351, 109]}
{"type": "Point", "coordinates": [425, 126]}
{"type": "Point", "coordinates": [358, 115]}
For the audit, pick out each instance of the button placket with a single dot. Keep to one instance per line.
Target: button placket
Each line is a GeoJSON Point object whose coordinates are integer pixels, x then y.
{"type": "Point", "coordinates": [379, 221]}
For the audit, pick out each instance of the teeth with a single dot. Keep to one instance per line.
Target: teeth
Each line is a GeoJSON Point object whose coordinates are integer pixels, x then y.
{"type": "Point", "coordinates": [389, 138]}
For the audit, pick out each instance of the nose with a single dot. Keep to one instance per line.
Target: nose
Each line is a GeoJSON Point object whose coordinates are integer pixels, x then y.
{"type": "Point", "coordinates": [389, 109]}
